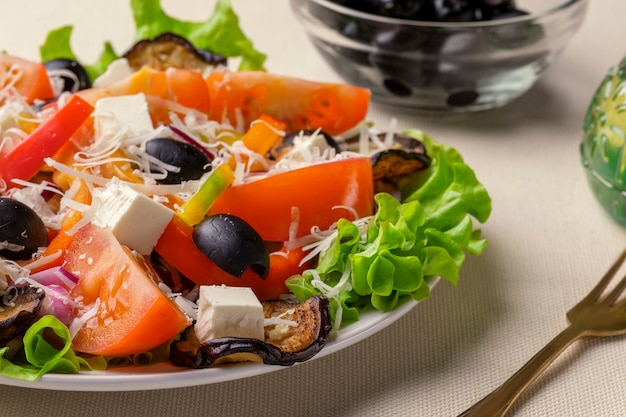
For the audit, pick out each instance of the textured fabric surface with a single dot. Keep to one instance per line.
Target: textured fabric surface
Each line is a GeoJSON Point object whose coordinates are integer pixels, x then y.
{"type": "Point", "coordinates": [549, 242]}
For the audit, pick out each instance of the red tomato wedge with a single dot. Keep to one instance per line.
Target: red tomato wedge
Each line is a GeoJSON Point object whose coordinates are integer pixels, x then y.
{"type": "Point", "coordinates": [177, 248]}
{"type": "Point", "coordinates": [301, 104]}
{"type": "Point", "coordinates": [184, 87]}
{"type": "Point", "coordinates": [29, 79]}
{"type": "Point", "coordinates": [133, 314]}
{"type": "Point", "coordinates": [320, 192]}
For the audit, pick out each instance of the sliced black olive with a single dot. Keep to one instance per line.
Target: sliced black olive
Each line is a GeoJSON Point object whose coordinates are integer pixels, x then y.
{"type": "Point", "coordinates": [22, 231]}
{"type": "Point", "coordinates": [193, 163]}
{"type": "Point", "coordinates": [302, 343]}
{"type": "Point", "coordinates": [19, 307]}
{"type": "Point", "coordinates": [287, 143]}
{"type": "Point", "coordinates": [70, 74]}
{"type": "Point", "coordinates": [232, 244]}
{"type": "Point", "coordinates": [170, 50]}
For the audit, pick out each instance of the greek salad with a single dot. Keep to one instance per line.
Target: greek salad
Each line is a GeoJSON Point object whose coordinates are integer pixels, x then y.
{"type": "Point", "coordinates": [158, 205]}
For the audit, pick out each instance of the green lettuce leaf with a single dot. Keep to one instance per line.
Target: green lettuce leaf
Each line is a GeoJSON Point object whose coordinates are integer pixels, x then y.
{"type": "Point", "coordinates": [220, 33]}
{"type": "Point", "coordinates": [47, 348]}
{"type": "Point", "coordinates": [57, 45]}
{"type": "Point", "coordinates": [405, 244]}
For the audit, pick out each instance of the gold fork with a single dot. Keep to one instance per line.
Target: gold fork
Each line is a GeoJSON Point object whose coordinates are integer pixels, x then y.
{"type": "Point", "coordinates": [594, 315]}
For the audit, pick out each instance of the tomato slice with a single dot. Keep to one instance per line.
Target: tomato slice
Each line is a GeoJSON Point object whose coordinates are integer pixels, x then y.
{"type": "Point", "coordinates": [30, 79]}
{"type": "Point", "coordinates": [320, 192]}
{"type": "Point", "coordinates": [301, 104]}
{"type": "Point", "coordinates": [133, 314]}
{"type": "Point", "coordinates": [176, 85]}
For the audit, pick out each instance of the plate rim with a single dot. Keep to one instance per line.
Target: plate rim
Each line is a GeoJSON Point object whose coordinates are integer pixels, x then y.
{"type": "Point", "coordinates": [168, 376]}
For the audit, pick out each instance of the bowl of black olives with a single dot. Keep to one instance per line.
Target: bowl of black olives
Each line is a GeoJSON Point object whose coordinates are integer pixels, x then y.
{"type": "Point", "coordinates": [441, 56]}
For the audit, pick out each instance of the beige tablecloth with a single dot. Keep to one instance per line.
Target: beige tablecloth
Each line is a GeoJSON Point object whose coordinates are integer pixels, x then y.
{"type": "Point", "coordinates": [549, 242]}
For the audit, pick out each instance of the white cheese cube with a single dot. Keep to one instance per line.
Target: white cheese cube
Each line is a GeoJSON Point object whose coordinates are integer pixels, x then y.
{"type": "Point", "coordinates": [229, 312]}
{"type": "Point", "coordinates": [137, 221]}
{"type": "Point", "coordinates": [113, 114]}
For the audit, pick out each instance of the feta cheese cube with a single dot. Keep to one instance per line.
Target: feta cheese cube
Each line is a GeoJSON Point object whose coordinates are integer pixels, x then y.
{"type": "Point", "coordinates": [113, 114]}
{"type": "Point", "coordinates": [137, 221]}
{"type": "Point", "coordinates": [229, 312]}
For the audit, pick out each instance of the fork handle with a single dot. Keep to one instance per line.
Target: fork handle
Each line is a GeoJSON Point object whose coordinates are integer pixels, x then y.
{"type": "Point", "coordinates": [501, 399]}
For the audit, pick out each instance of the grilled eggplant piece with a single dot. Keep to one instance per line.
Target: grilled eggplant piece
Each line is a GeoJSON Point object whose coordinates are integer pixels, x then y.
{"type": "Point", "coordinates": [392, 163]}
{"type": "Point", "coordinates": [287, 143]}
{"type": "Point", "coordinates": [19, 307]}
{"type": "Point", "coordinates": [284, 344]}
{"type": "Point", "coordinates": [406, 156]}
{"type": "Point", "coordinates": [170, 50]}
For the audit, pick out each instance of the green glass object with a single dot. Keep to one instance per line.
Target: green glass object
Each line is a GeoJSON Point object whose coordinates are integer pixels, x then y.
{"type": "Point", "coordinates": [603, 149]}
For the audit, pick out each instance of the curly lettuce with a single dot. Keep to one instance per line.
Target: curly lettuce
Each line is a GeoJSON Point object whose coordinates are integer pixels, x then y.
{"type": "Point", "coordinates": [220, 33]}
{"type": "Point", "coordinates": [47, 348]}
{"type": "Point", "coordinates": [395, 254]}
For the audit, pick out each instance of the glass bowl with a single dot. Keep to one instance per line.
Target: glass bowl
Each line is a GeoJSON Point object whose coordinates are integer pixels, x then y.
{"type": "Point", "coordinates": [446, 67]}
{"type": "Point", "coordinates": [603, 148]}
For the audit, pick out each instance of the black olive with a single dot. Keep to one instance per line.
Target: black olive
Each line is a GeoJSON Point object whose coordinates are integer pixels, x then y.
{"type": "Point", "coordinates": [436, 10]}
{"type": "Point", "coordinates": [193, 163]}
{"type": "Point", "coordinates": [456, 11]}
{"type": "Point", "coordinates": [72, 74]}
{"type": "Point", "coordinates": [231, 244]}
{"type": "Point", "coordinates": [401, 9]}
{"type": "Point", "coordinates": [496, 9]}
{"type": "Point", "coordinates": [22, 231]}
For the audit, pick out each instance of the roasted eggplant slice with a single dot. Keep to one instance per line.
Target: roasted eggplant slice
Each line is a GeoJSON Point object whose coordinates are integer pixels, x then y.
{"type": "Point", "coordinates": [19, 307]}
{"type": "Point", "coordinates": [170, 50]}
{"type": "Point", "coordinates": [392, 163]}
{"type": "Point", "coordinates": [310, 135]}
{"type": "Point", "coordinates": [309, 316]}
{"type": "Point", "coordinates": [408, 143]}
{"type": "Point", "coordinates": [295, 333]}
{"type": "Point", "coordinates": [403, 157]}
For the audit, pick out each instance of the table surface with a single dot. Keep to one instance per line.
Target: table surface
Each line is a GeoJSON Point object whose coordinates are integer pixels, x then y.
{"type": "Point", "coordinates": [549, 242]}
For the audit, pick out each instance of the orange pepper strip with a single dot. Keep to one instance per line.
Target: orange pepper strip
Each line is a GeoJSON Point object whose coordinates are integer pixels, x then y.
{"type": "Point", "coordinates": [63, 238]}
{"type": "Point", "coordinates": [264, 133]}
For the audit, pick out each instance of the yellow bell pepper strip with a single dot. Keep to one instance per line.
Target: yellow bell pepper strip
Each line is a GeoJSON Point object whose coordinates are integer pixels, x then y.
{"type": "Point", "coordinates": [27, 158]}
{"type": "Point", "coordinates": [193, 210]}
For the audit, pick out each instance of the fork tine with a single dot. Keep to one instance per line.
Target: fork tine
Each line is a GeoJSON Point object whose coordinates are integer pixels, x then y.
{"type": "Point", "coordinates": [597, 291]}
{"type": "Point", "coordinates": [616, 292]}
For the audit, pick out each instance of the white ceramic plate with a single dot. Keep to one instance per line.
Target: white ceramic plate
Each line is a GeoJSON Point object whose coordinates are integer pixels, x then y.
{"type": "Point", "coordinates": [165, 376]}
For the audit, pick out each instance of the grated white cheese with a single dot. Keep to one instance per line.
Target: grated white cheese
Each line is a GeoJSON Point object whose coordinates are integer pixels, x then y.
{"type": "Point", "coordinates": [83, 317]}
